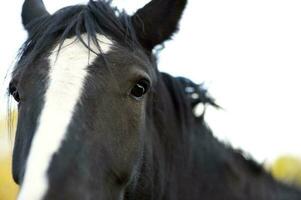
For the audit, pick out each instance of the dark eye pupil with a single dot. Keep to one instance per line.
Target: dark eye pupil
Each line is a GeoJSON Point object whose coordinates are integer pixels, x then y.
{"type": "Point", "coordinates": [16, 96]}
{"type": "Point", "coordinates": [140, 89]}
{"type": "Point", "coordinates": [13, 91]}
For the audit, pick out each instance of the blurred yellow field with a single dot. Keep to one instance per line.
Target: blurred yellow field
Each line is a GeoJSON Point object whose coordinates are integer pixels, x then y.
{"type": "Point", "coordinates": [288, 169]}
{"type": "Point", "coordinates": [8, 189]}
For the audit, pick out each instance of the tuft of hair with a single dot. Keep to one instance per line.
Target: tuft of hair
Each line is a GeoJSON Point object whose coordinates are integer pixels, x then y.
{"type": "Point", "coordinates": [96, 17]}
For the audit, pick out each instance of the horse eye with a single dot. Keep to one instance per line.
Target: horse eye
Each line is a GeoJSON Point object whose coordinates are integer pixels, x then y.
{"type": "Point", "coordinates": [140, 88]}
{"type": "Point", "coordinates": [14, 92]}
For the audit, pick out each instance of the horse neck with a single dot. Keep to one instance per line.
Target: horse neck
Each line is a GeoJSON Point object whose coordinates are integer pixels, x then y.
{"type": "Point", "coordinates": [182, 153]}
{"type": "Point", "coordinates": [232, 173]}
{"type": "Point", "coordinates": [245, 172]}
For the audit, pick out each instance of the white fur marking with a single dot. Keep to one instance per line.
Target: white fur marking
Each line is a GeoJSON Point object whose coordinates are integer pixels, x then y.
{"type": "Point", "coordinates": [67, 75]}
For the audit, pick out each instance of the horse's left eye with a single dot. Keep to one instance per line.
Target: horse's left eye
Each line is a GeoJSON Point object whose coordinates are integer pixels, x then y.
{"type": "Point", "coordinates": [14, 92]}
{"type": "Point", "coordinates": [140, 89]}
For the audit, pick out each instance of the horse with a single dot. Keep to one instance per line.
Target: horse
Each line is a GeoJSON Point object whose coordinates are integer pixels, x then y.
{"type": "Point", "coordinates": [98, 120]}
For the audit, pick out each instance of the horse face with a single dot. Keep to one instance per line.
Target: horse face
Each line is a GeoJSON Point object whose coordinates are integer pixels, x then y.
{"type": "Point", "coordinates": [83, 104]}
{"type": "Point", "coordinates": [86, 116]}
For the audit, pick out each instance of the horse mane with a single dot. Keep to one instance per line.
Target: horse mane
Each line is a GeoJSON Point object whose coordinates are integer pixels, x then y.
{"type": "Point", "coordinates": [215, 155]}
{"type": "Point", "coordinates": [96, 17]}
{"type": "Point", "coordinates": [204, 98]}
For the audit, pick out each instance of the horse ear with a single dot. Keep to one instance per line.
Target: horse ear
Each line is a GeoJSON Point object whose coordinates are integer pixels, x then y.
{"type": "Point", "coordinates": [157, 21]}
{"type": "Point", "coordinates": [32, 9]}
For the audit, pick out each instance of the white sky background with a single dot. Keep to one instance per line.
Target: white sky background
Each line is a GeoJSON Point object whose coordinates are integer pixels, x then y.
{"type": "Point", "coordinates": [248, 52]}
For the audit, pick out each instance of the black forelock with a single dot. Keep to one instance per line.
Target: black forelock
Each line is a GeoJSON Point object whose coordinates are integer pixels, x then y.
{"type": "Point", "coordinates": [96, 17]}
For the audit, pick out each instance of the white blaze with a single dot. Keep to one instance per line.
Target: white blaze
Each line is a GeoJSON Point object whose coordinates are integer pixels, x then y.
{"type": "Point", "coordinates": [67, 74]}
